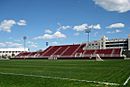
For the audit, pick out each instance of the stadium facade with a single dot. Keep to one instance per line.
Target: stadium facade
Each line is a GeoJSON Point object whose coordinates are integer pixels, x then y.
{"type": "Point", "coordinates": [105, 43]}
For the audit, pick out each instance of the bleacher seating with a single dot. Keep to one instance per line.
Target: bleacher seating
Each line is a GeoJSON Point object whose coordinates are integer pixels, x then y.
{"type": "Point", "coordinates": [60, 51]}
{"type": "Point", "coordinates": [117, 52]}
{"type": "Point", "coordinates": [23, 54]}
{"type": "Point", "coordinates": [89, 51]}
{"type": "Point", "coordinates": [72, 51]}
{"type": "Point", "coordinates": [79, 49]}
{"type": "Point", "coordinates": [33, 54]}
{"type": "Point", "coordinates": [52, 50]}
{"type": "Point", "coordinates": [45, 51]}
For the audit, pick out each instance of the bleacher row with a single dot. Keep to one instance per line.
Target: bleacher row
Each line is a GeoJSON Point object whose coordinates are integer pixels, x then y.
{"type": "Point", "coordinates": [72, 51]}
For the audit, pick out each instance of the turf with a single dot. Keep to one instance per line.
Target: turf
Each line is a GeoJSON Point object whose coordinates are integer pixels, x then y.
{"type": "Point", "coordinates": [114, 71]}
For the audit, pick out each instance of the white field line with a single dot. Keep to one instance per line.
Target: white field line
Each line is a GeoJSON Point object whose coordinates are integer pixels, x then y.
{"type": "Point", "coordinates": [60, 78]}
{"type": "Point", "coordinates": [126, 80]}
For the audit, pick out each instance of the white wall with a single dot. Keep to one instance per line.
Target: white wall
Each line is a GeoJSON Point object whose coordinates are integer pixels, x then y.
{"type": "Point", "coordinates": [10, 51]}
{"type": "Point", "coordinates": [129, 42]}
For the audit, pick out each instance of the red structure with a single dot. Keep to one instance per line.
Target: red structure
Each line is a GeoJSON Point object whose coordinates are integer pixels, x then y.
{"type": "Point", "coordinates": [72, 52]}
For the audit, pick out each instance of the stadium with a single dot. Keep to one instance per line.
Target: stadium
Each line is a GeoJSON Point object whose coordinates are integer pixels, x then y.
{"type": "Point", "coordinates": [65, 43]}
{"type": "Point", "coordinates": [100, 49]}
{"type": "Point", "coordinates": [102, 63]}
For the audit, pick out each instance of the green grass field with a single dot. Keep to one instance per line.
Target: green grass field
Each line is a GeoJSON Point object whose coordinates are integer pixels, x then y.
{"type": "Point", "coordinates": [51, 73]}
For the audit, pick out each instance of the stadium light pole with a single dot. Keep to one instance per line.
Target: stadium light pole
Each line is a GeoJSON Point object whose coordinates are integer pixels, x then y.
{"type": "Point", "coordinates": [88, 31]}
{"type": "Point", "coordinates": [47, 43]}
{"type": "Point", "coordinates": [24, 39]}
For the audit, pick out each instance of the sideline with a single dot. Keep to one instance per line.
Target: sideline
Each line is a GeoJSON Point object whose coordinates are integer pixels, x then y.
{"type": "Point", "coordinates": [127, 80]}
{"type": "Point", "coordinates": [60, 78]}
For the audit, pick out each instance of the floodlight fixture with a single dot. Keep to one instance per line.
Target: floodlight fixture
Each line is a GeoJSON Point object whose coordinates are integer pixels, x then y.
{"type": "Point", "coordinates": [24, 39]}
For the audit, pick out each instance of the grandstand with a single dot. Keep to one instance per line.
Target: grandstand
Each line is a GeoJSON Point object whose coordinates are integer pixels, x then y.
{"type": "Point", "coordinates": [105, 48]}
{"type": "Point", "coordinates": [74, 51]}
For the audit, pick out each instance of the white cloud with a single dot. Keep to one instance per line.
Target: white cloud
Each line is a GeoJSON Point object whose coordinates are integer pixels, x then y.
{"type": "Point", "coordinates": [83, 27]}
{"type": "Point", "coordinates": [22, 23]}
{"type": "Point", "coordinates": [63, 27]}
{"type": "Point", "coordinates": [59, 35]}
{"type": "Point", "coordinates": [48, 31]}
{"type": "Point", "coordinates": [45, 36]}
{"type": "Point", "coordinates": [2, 45]}
{"type": "Point", "coordinates": [116, 25]}
{"type": "Point", "coordinates": [34, 46]}
{"type": "Point", "coordinates": [115, 31]}
{"type": "Point", "coordinates": [54, 43]}
{"type": "Point", "coordinates": [10, 44]}
{"type": "Point", "coordinates": [114, 5]}
{"type": "Point", "coordinates": [97, 26]}
{"type": "Point", "coordinates": [6, 25]}
{"type": "Point", "coordinates": [52, 36]}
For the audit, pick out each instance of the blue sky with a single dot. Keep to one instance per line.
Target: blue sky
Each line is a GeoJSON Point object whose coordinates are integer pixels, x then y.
{"type": "Point", "coordinates": [61, 21]}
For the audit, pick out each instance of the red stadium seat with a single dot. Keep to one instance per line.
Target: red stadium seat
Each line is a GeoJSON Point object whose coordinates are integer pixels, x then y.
{"type": "Point", "coordinates": [71, 51]}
